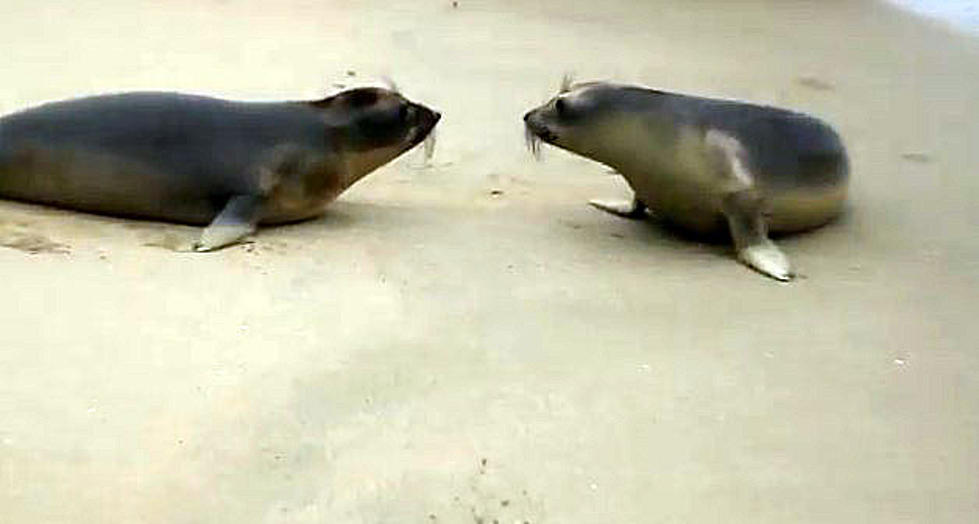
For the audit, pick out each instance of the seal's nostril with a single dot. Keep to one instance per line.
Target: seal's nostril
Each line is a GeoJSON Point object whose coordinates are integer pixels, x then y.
{"type": "Point", "coordinates": [526, 116]}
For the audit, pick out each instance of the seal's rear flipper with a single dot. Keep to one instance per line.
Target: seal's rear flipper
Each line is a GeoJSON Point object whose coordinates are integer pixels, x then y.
{"type": "Point", "coordinates": [750, 234]}
{"type": "Point", "coordinates": [236, 221]}
{"type": "Point", "coordinates": [635, 209]}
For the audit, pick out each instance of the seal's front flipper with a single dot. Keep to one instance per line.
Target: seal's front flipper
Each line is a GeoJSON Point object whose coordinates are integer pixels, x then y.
{"type": "Point", "coordinates": [635, 209]}
{"type": "Point", "coordinates": [743, 207]}
{"type": "Point", "coordinates": [750, 234]}
{"type": "Point", "coordinates": [237, 220]}
{"type": "Point", "coordinates": [767, 259]}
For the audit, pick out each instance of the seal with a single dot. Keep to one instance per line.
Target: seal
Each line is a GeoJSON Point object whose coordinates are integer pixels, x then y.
{"type": "Point", "coordinates": [705, 165]}
{"type": "Point", "coordinates": [199, 160]}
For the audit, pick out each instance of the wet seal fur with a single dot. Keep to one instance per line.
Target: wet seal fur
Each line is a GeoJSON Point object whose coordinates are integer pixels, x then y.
{"type": "Point", "coordinates": [206, 161]}
{"type": "Point", "coordinates": [705, 165]}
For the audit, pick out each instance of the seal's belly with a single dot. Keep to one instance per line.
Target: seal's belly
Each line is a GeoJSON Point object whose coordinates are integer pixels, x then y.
{"type": "Point", "coordinates": [804, 208]}
{"type": "Point", "coordinates": [693, 207]}
{"type": "Point", "coordinates": [100, 182]}
{"type": "Point", "coordinates": [283, 208]}
{"type": "Point", "coordinates": [678, 182]}
{"type": "Point", "coordinates": [694, 203]}
{"type": "Point", "coordinates": [687, 196]}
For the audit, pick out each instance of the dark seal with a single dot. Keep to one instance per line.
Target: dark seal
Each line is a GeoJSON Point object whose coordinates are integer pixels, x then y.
{"type": "Point", "coordinates": [199, 160]}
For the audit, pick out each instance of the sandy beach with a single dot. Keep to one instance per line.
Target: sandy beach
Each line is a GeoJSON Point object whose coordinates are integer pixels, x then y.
{"type": "Point", "coordinates": [469, 342]}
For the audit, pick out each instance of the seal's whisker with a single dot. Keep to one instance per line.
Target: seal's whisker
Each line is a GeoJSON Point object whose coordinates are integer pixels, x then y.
{"type": "Point", "coordinates": [429, 145]}
{"type": "Point", "coordinates": [533, 142]}
{"type": "Point", "coordinates": [390, 84]}
{"type": "Point", "coordinates": [566, 82]}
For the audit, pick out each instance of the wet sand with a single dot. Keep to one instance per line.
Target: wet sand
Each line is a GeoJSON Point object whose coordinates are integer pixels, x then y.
{"type": "Point", "coordinates": [469, 341]}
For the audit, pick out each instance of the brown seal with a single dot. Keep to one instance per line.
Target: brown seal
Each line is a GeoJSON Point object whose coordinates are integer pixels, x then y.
{"type": "Point", "coordinates": [706, 165]}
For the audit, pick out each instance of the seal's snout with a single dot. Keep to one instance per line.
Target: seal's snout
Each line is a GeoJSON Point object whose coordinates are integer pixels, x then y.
{"type": "Point", "coordinates": [532, 133]}
{"type": "Point", "coordinates": [531, 121]}
{"type": "Point", "coordinates": [534, 119]}
{"type": "Point", "coordinates": [426, 117]}
{"type": "Point", "coordinates": [425, 121]}
{"type": "Point", "coordinates": [436, 116]}
{"type": "Point", "coordinates": [535, 126]}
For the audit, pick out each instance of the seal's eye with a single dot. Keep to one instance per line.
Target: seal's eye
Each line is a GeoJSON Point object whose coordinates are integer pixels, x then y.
{"type": "Point", "coordinates": [403, 113]}
{"type": "Point", "coordinates": [561, 107]}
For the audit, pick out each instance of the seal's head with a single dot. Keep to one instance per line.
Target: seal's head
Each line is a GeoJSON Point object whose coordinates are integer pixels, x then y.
{"type": "Point", "coordinates": [373, 125]}
{"type": "Point", "coordinates": [587, 118]}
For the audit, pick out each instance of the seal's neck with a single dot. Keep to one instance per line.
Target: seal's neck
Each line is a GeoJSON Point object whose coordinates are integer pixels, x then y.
{"type": "Point", "coordinates": [357, 164]}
